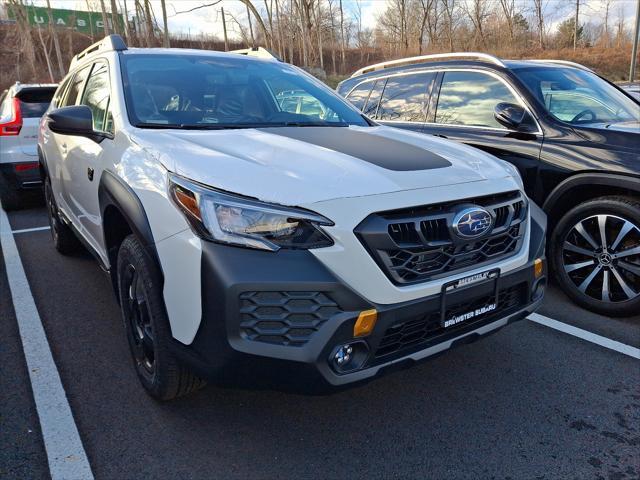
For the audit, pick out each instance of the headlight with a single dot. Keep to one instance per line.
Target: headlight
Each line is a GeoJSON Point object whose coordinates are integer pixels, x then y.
{"type": "Point", "coordinates": [514, 172]}
{"type": "Point", "coordinates": [226, 218]}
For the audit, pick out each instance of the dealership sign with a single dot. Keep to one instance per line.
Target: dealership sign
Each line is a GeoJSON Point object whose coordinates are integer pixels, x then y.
{"type": "Point", "coordinates": [86, 22]}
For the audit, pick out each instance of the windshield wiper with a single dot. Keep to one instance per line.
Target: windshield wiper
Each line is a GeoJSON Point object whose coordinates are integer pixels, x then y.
{"type": "Point", "coordinates": [236, 126]}
{"type": "Point", "coordinates": [198, 126]}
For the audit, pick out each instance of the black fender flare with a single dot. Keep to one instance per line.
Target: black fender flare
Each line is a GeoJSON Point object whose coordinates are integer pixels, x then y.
{"type": "Point", "coordinates": [114, 192]}
{"type": "Point", "coordinates": [601, 179]}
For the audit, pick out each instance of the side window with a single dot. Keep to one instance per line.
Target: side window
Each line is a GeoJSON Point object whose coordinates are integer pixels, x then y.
{"type": "Point", "coordinates": [59, 95]}
{"type": "Point", "coordinates": [358, 96]}
{"type": "Point", "coordinates": [75, 88]}
{"type": "Point", "coordinates": [469, 98]}
{"type": "Point", "coordinates": [405, 98]}
{"type": "Point", "coordinates": [96, 97]}
{"type": "Point", "coordinates": [568, 105]}
{"type": "Point", "coordinates": [374, 98]}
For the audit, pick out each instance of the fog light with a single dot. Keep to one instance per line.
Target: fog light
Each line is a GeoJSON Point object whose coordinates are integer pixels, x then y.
{"type": "Point", "coordinates": [538, 267]}
{"type": "Point", "coordinates": [343, 355]}
{"type": "Point", "coordinates": [348, 357]}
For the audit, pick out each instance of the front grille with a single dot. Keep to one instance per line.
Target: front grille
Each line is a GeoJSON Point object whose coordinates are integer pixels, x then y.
{"type": "Point", "coordinates": [418, 244]}
{"type": "Point", "coordinates": [412, 334]}
{"type": "Point", "coordinates": [284, 318]}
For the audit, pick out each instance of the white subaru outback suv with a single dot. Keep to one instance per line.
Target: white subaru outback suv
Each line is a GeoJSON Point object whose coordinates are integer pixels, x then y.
{"type": "Point", "coordinates": [251, 239]}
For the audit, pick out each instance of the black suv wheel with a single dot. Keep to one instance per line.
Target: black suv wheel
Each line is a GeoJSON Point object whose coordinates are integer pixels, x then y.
{"type": "Point", "coordinates": [147, 326]}
{"type": "Point", "coordinates": [596, 255]}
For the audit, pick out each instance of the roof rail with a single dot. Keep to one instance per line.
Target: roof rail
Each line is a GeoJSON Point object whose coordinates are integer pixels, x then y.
{"type": "Point", "coordinates": [111, 42]}
{"type": "Point", "coordinates": [437, 56]}
{"type": "Point", "coordinates": [258, 52]}
{"type": "Point", "coordinates": [567, 63]}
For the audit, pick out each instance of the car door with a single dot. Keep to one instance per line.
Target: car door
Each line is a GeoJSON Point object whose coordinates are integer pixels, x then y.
{"type": "Point", "coordinates": [56, 145]}
{"type": "Point", "coordinates": [403, 100]}
{"type": "Point", "coordinates": [462, 109]}
{"type": "Point", "coordinates": [84, 161]}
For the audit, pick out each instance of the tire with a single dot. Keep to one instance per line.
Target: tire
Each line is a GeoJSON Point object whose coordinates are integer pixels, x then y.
{"type": "Point", "coordinates": [9, 196]}
{"type": "Point", "coordinates": [64, 240]}
{"type": "Point", "coordinates": [147, 325]}
{"type": "Point", "coordinates": [604, 279]}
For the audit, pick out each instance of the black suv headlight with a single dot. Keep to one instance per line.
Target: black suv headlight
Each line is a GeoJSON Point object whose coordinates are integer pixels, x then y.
{"type": "Point", "coordinates": [236, 220]}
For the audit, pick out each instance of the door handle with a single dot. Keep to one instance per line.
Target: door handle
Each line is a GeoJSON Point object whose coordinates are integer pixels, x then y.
{"type": "Point", "coordinates": [90, 174]}
{"type": "Point", "coordinates": [440, 135]}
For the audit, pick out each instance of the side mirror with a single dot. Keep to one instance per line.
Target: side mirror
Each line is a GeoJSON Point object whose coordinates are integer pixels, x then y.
{"type": "Point", "coordinates": [509, 115]}
{"type": "Point", "coordinates": [74, 120]}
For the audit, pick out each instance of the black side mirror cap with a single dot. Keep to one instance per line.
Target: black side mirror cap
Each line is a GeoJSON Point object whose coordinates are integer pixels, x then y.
{"type": "Point", "coordinates": [74, 120]}
{"type": "Point", "coordinates": [509, 115]}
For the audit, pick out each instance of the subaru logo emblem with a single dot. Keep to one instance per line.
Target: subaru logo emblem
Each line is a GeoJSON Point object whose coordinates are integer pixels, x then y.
{"type": "Point", "coordinates": [472, 222]}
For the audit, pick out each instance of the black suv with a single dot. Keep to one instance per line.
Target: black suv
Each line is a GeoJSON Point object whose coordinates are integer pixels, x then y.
{"type": "Point", "coordinates": [574, 137]}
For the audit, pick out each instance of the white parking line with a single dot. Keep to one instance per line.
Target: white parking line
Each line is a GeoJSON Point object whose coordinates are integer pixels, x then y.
{"type": "Point", "coordinates": [35, 229]}
{"type": "Point", "coordinates": [65, 452]}
{"type": "Point", "coordinates": [585, 335]}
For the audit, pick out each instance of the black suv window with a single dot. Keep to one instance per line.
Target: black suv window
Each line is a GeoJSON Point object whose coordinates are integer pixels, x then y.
{"type": "Point", "coordinates": [96, 97]}
{"type": "Point", "coordinates": [372, 103]}
{"type": "Point", "coordinates": [577, 96]}
{"type": "Point", "coordinates": [405, 98]}
{"type": "Point", "coordinates": [469, 98]}
{"type": "Point", "coordinates": [358, 96]}
{"type": "Point", "coordinates": [75, 89]}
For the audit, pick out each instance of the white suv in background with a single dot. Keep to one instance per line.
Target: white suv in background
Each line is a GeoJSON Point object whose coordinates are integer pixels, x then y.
{"type": "Point", "coordinates": [21, 107]}
{"type": "Point", "coordinates": [255, 240]}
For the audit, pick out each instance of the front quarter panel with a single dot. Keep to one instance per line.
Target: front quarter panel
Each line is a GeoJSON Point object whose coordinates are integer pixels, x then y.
{"type": "Point", "coordinates": [179, 251]}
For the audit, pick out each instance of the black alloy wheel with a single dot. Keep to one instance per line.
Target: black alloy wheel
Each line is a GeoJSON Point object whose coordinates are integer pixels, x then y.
{"type": "Point", "coordinates": [140, 329]}
{"type": "Point", "coordinates": [147, 325]}
{"type": "Point", "coordinates": [597, 255]}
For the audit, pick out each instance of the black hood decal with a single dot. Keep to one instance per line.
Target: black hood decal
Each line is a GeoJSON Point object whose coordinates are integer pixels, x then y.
{"type": "Point", "coordinates": [381, 151]}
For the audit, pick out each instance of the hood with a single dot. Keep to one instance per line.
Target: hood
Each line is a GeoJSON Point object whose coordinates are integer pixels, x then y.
{"type": "Point", "coordinates": [302, 165]}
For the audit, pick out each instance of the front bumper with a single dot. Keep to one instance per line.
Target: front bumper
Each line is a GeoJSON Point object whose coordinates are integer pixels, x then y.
{"type": "Point", "coordinates": [277, 319]}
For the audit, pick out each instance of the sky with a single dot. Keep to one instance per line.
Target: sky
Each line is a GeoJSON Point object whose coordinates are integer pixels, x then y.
{"type": "Point", "coordinates": [208, 20]}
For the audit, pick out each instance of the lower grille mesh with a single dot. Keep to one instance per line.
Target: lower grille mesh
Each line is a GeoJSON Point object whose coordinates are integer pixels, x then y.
{"type": "Point", "coordinates": [284, 318]}
{"type": "Point", "coordinates": [403, 336]}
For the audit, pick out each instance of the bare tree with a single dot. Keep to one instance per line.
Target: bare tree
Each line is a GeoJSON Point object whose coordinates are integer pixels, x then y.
{"type": "Point", "coordinates": [539, 16]}
{"type": "Point", "coordinates": [280, 41]}
{"type": "Point", "coordinates": [449, 8]}
{"type": "Point", "coordinates": [126, 19]}
{"type": "Point", "coordinates": [105, 20]}
{"type": "Point", "coordinates": [258, 18]}
{"type": "Point", "coordinates": [576, 24]}
{"type": "Point", "coordinates": [605, 36]}
{"type": "Point", "coordinates": [114, 17]}
{"type": "Point", "coordinates": [342, 42]}
{"type": "Point", "coordinates": [56, 40]}
{"type": "Point", "coordinates": [478, 12]}
{"type": "Point", "coordinates": [509, 10]}
{"type": "Point", "coordinates": [165, 41]}
{"type": "Point", "coordinates": [46, 55]}
{"type": "Point", "coordinates": [149, 23]}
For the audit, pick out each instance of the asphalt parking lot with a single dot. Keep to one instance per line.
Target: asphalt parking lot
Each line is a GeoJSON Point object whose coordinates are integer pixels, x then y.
{"type": "Point", "coordinates": [529, 402]}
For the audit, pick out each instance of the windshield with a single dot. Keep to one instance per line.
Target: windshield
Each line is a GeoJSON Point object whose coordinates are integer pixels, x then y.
{"type": "Point", "coordinates": [211, 92]}
{"type": "Point", "coordinates": [578, 97]}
